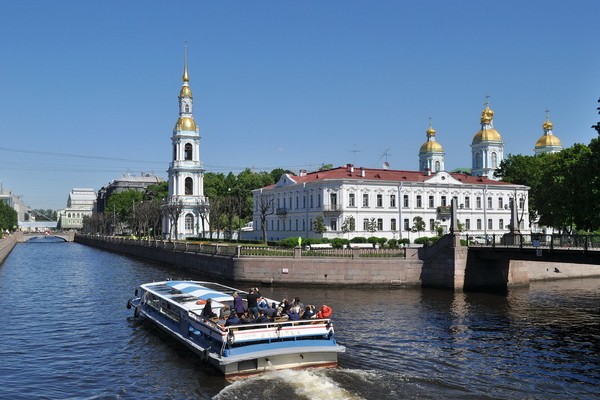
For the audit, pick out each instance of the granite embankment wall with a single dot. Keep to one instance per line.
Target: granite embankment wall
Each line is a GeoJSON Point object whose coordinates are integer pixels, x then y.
{"type": "Point", "coordinates": [445, 265]}
{"type": "Point", "coordinates": [6, 245]}
{"type": "Point", "coordinates": [298, 270]}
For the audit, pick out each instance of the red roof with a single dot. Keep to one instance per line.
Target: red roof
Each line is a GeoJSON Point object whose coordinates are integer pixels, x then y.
{"type": "Point", "coordinates": [373, 174]}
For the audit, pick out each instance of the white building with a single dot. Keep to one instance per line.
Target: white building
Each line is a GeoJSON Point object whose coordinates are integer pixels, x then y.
{"type": "Point", "coordinates": [392, 203]}
{"type": "Point", "coordinates": [81, 202]}
{"type": "Point", "coordinates": [186, 204]}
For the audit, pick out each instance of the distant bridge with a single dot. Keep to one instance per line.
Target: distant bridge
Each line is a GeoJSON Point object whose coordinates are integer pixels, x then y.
{"type": "Point", "coordinates": [68, 236]}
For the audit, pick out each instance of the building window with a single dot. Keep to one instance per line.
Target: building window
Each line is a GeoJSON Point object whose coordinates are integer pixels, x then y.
{"type": "Point", "coordinates": [365, 202]}
{"type": "Point", "coordinates": [311, 201]}
{"type": "Point", "coordinates": [437, 166]}
{"type": "Point", "coordinates": [333, 224]}
{"type": "Point", "coordinates": [333, 201]}
{"type": "Point", "coordinates": [444, 204]}
{"type": "Point", "coordinates": [501, 224]}
{"type": "Point", "coordinates": [189, 186]}
{"type": "Point", "coordinates": [351, 200]}
{"type": "Point", "coordinates": [431, 202]}
{"type": "Point", "coordinates": [405, 201]}
{"type": "Point", "coordinates": [494, 160]}
{"type": "Point", "coordinates": [419, 201]}
{"type": "Point", "coordinates": [489, 203]}
{"type": "Point", "coordinates": [478, 160]}
{"type": "Point", "coordinates": [379, 224]}
{"type": "Point", "coordinates": [303, 201]}
{"type": "Point", "coordinates": [189, 222]}
{"type": "Point", "coordinates": [319, 200]}
{"type": "Point", "coordinates": [467, 224]}
{"type": "Point", "coordinates": [478, 224]}
{"type": "Point", "coordinates": [406, 224]}
{"type": "Point", "coordinates": [521, 203]}
{"type": "Point", "coordinates": [392, 200]}
{"type": "Point", "coordinates": [296, 224]}
{"type": "Point", "coordinates": [297, 202]}
{"type": "Point", "coordinates": [467, 202]}
{"type": "Point", "coordinates": [432, 225]}
{"type": "Point", "coordinates": [379, 200]}
{"type": "Point", "coordinates": [291, 203]}
{"type": "Point", "coordinates": [188, 151]}
{"type": "Point", "coordinates": [366, 224]}
{"type": "Point", "coordinates": [500, 202]}
{"type": "Point", "coordinates": [478, 202]}
{"type": "Point", "coordinates": [393, 224]}
{"type": "Point", "coordinates": [490, 225]}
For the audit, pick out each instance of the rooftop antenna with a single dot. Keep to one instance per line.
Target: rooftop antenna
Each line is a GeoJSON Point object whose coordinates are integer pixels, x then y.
{"type": "Point", "coordinates": [385, 154]}
{"type": "Point", "coordinates": [355, 151]}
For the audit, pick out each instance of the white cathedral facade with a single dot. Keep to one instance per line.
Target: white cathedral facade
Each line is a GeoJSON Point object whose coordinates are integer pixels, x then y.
{"type": "Point", "coordinates": [186, 209]}
{"type": "Point", "coordinates": [400, 204]}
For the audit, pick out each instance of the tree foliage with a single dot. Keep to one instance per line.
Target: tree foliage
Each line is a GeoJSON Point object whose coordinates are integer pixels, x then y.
{"type": "Point", "coordinates": [8, 218]}
{"type": "Point", "coordinates": [565, 186]}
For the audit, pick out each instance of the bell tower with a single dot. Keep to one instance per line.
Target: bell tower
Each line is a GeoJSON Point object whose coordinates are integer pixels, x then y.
{"type": "Point", "coordinates": [186, 208]}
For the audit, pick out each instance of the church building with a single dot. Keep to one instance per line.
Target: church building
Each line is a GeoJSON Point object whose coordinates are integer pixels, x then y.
{"type": "Point", "coordinates": [396, 204]}
{"type": "Point", "coordinates": [186, 208]}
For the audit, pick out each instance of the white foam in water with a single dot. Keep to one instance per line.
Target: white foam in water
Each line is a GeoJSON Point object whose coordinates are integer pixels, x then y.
{"type": "Point", "coordinates": [308, 384]}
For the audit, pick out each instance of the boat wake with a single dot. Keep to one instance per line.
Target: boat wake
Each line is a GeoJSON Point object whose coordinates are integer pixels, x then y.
{"type": "Point", "coordinates": [289, 384]}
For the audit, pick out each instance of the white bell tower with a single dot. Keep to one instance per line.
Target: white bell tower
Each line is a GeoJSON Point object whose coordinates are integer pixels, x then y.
{"type": "Point", "coordinates": [186, 208]}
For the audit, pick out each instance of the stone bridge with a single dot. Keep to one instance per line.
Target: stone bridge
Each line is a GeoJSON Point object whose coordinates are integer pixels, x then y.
{"type": "Point", "coordinates": [67, 236]}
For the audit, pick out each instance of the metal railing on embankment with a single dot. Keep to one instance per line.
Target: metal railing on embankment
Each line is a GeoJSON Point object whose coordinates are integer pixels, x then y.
{"type": "Point", "coordinates": [235, 250]}
{"type": "Point", "coordinates": [536, 240]}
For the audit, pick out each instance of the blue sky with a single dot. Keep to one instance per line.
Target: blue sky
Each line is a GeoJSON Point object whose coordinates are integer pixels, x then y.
{"type": "Point", "coordinates": [88, 90]}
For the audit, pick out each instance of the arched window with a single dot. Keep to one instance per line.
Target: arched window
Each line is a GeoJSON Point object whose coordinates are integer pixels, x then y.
{"type": "Point", "coordinates": [187, 108]}
{"type": "Point", "coordinates": [188, 151]}
{"type": "Point", "coordinates": [437, 166]}
{"type": "Point", "coordinates": [189, 186]}
{"type": "Point", "coordinates": [494, 160]}
{"type": "Point", "coordinates": [478, 160]}
{"type": "Point", "coordinates": [189, 222]}
{"type": "Point", "coordinates": [174, 152]}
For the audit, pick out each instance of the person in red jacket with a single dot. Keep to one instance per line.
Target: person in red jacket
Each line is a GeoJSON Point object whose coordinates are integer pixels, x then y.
{"type": "Point", "coordinates": [325, 312]}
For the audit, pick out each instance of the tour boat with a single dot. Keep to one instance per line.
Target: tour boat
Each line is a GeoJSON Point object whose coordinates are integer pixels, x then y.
{"type": "Point", "coordinates": [176, 307]}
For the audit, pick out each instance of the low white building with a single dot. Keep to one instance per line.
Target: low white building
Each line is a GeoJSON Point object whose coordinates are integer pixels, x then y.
{"type": "Point", "coordinates": [81, 202]}
{"type": "Point", "coordinates": [385, 203]}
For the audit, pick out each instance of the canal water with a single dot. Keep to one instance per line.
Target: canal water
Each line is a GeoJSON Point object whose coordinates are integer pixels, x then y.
{"type": "Point", "coordinates": [65, 333]}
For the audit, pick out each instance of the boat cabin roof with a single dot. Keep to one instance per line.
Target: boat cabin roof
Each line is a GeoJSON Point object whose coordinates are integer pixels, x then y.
{"type": "Point", "coordinates": [189, 294]}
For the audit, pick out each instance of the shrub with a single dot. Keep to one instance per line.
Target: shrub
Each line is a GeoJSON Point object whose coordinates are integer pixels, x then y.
{"type": "Point", "coordinates": [359, 239]}
{"type": "Point", "coordinates": [289, 242]}
{"type": "Point", "coordinates": [392, 243]}
{"type": "Point", "coordinates": [404, 241]}
{"type": "Point", "coordinates": [424, 240]}
{"type": "Point", "coordinates": [338, 243]}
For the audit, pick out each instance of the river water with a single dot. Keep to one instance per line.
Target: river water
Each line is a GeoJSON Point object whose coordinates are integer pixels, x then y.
{"type": "Point", "coordinates": [65, 333]}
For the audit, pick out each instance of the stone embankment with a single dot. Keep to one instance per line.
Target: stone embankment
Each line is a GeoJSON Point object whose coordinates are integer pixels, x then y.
{"type": "Point", "coordinates": [6, 245]}
{"type": "Point", "coordinates": [445, 264]}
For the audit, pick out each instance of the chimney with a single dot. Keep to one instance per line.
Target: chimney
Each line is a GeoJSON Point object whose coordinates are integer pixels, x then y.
{"type": "Point", "coordinates": [302, 172]}
{"type": "Point", "coordinates": [362, 172]}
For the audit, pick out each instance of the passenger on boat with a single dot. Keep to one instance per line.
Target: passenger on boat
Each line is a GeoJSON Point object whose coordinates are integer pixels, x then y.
{"type": "Point", "coordinates": [238, 303]}
{"type": "Point", "coordinates": [224, 312]}
{"type": "Point", "coordinates": [207, 311]}
{"type": "Point", "coordinates": [252, 299]}
{"type": "Point", "coordinates": [325, 312]}
{"type": "Point", "coordinates": [294, 313]}
{"type": "Point", "coordinates": [262, 304]}
{"type": "Point", "coordinates": [298, 303]}
{"type": "Point", "coordinates": [309, 312]}
{"type": "Point", "coordinates": [262, 318]}
{"type": "Point", "coordinates": [233, 319]}
{"type": "Point", "coordinates": [248, 317]}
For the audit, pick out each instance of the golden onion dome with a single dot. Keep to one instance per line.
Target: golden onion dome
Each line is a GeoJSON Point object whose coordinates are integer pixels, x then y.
{"type": "Point", "coordinates": [487, 135]}
{"type": "Point", "coordinates": [185, 91]}
{"type": "Point", "coordinates": [431, 147]}
{"type": "Point", "coordinates": [547, 125]}
{"type": "Point", "coordinates": [548, 141]}
{"type": "Point", "coordinates": [185, 124]}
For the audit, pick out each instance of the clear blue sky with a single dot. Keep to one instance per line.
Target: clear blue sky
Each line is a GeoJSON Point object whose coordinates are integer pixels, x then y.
{"type": "Point", "coordinates": [88, 90]}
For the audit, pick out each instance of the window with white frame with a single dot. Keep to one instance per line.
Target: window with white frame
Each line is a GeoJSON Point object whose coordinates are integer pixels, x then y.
{"type": "Point", "coordinates": [392, 200]}
{"type": "Point", "coordinates": [478, 224]}
{"type": "Point", "coordinates": [405, 201]}
{"type": "Point", "coordinates": [431, 202]}
{"type": "Point", "coordinates": [419, 201]}
{"type": "Point", "coordinates": [379, 224]}
{"type": "Point", "coordinates": [351, 200]}
{"type": "Point", "coordinates": [380, 200]}
{"type": "Point", "coordinates": [365, 201]}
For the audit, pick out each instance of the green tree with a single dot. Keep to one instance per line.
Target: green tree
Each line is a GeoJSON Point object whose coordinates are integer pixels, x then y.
{"type": "Point", "coordinates": [325, 167]}
{"type": "Point", "coordinates": [418, 224]}
{"type": "Point", "coordinates": [319, 225]}
{"type": "Point", "coordinates": [349, 224]}
{"type": "Point", "coordinates": [122, 206]}
{"type": "Point", "coordinates": [8, 218]}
